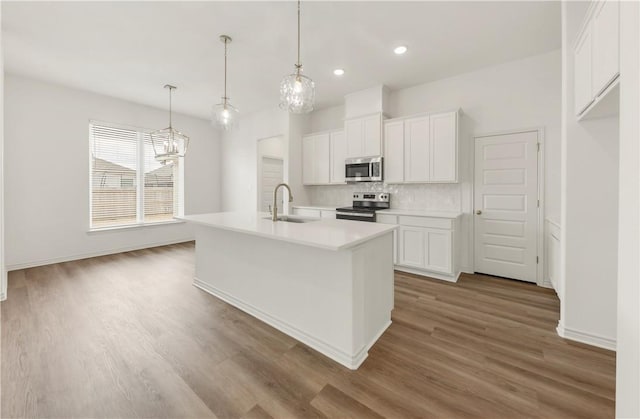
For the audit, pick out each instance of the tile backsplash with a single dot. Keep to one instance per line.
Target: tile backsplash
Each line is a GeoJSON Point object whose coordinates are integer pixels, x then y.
{"type": "Point", "coordinates": [436, 197]}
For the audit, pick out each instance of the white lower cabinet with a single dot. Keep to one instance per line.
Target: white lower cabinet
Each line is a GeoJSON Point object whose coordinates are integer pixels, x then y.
{"type": "Point", "coordinates": [313, 212]}
{"type": "Point", "coordinates": [424, 245]}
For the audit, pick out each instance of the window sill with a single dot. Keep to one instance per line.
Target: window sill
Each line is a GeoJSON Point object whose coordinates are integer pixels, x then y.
{"type": "Point", "coordinates": [134, 226]}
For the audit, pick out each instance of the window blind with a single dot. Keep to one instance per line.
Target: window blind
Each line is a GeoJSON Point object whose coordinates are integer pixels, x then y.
{"type": "Point", "coordinates": [128, 186]}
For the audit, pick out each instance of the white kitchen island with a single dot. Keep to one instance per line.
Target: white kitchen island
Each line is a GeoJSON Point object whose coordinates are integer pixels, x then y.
{"type": "Point", "coordinates": [327, 283]}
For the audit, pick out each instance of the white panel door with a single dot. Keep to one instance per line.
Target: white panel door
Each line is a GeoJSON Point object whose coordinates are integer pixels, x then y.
{"type": "Point", "coordinates": [443, 141]}
{"type": "Point", "coordinates": [393, 165]}
{"type": "Point", "coordinates": [338, 155]}
{"type": "Point", "coordinates": [606, 45]}
{"type": "Point", "coordinates": [354, 134]}
{"type": "Point", "coordinates": [411, 251]}
{"type": "Point", "coordinates": [271, 175]}
{"type": "Point", "coordinates": [506, 205]}
{"type": "Point", "coordinates": [371, 128]}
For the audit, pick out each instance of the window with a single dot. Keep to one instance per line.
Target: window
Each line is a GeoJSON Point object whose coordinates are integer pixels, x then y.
{"type": "Point", "coordinates": [128, 186]}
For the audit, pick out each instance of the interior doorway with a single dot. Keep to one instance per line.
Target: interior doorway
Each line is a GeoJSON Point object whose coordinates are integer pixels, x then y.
{"type": "Point", "coordinates": [507, 205]}
{"type": "Point", "coordinates": [272, 173]}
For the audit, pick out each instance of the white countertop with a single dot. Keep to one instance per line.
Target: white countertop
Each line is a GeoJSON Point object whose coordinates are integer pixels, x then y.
{"type": "Point", "coordinates": [421, 213]}
{"type": "Point", "coordinates": [324, 233]}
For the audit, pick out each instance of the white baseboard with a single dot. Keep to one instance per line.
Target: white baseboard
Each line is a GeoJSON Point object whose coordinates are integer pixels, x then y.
{"type": "Point", "coordinates": [33, 264]}
{"type": "Point", "coordinates": [443, 277]}
{"type": "Point", "coordinates": [349, 361]}
{"type": "Point", "coordinates": [3, 296]}
{"type": "Point", "coordinates": [584, 337]}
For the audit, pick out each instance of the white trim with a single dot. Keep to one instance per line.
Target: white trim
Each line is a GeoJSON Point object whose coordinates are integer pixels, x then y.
{"type": "Point", "coordinates": [584, 337]}
{"type": "Point", "coordinates": [42, 262]}
{"type": "Point", "coordinates": [3, 296]}
{"type": "Point", "coordinates": [349, 361]}
{"type": "Point", "coordinates": [540, 180]}
{"type": "Point", "coordinates": [428, 274]}
{"type": "Point", "coordinates": [134, 226]}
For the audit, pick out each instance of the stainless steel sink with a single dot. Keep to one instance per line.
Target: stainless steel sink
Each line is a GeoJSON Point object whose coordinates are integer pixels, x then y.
{"type": "Point", "coordinates": [294, 219]}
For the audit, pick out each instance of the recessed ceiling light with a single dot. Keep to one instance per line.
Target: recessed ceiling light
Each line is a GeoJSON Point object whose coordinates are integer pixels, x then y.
{"type": "Point", "coordinates": [400, 50]}
{"type": "Point", "coordinates": [338, 72]}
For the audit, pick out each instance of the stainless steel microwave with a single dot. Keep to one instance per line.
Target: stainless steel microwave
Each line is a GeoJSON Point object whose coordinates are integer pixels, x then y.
{"type": "Point", "coordinates": [366, 169]}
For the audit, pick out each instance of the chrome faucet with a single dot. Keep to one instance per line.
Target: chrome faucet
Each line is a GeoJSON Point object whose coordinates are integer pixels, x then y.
{"type": "Point", "coordinates": [274, 214]}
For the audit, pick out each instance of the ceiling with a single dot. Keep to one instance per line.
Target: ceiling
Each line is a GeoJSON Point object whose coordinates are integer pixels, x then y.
{"type": "Point", "coordinates": [130, 50]}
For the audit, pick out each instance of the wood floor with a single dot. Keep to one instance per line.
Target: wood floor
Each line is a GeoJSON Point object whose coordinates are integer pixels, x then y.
{"type": "Point", "coordinates": [129, 336]}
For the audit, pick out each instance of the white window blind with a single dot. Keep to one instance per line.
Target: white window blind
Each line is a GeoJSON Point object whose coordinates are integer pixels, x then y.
{"type": "Point", "coordinates": [128, 186]}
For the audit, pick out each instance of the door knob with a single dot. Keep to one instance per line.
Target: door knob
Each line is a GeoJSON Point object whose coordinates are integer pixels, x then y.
{"type": "Point", "coordinates": [478, 212]}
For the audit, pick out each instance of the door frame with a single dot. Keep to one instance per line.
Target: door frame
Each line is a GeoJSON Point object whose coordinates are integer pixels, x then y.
{"type": "Point", "coordinates": [540, 250]}
{"type": "Point", "coordinates": [261, 157]}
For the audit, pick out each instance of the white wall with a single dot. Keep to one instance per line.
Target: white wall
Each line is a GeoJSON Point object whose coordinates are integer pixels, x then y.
{"type": "Point", "coordinates": [47, 172]}
{"type": "Point", "coordinates": [240, 154]}
{"type": "Point", "coordinates": [628, 341]}
{"type": "Point", "coordinates": [327, 119]}
{"type": "Point", "coordinates": [3, 273]}
{"type": "Point", "coordinates": [510, 96]}
{"type": "Point", "coordinates": [589, 219]}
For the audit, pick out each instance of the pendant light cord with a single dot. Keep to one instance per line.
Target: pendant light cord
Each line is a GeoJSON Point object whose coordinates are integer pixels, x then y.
{"type": "Point", "coordinates": [225, 70]}
{"type": "Point", "coordinates": [298, 64]}
{"type": "Point", "coordinates": [170, 90]}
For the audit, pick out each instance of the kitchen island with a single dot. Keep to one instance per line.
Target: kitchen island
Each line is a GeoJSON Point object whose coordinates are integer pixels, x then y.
{"type": "Point", "coordinates": [328, 283]}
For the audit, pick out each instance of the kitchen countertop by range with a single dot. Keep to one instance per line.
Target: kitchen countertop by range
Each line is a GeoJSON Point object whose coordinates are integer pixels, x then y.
{"type": "Point", "coordinates": [325, 233]}
{"type": "Point", "coordinates": [421, 213]}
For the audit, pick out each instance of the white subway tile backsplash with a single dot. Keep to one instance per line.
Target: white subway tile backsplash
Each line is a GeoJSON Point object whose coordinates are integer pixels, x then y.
{"type": "Point", "coordinates": [433, 197]}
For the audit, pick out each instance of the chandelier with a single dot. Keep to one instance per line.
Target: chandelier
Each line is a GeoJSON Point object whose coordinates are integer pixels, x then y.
{"type": "Point", "coordinates": [225, 115]}
{"type": "Point", "coordinates": [297, 91]}
{"type": "Point", "coordinates": [169, 144]}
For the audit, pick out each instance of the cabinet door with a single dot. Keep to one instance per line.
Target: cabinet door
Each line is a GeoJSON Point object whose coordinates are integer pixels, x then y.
{"type": "Point", "coordinates": [371, 128]}
{"type": "Point", "coordinates": [322, 160]}
{"type": "Point", "coordinates": [443, 138]}
{"type": "Point", "coordinates": [307, 160]}
{"type": "Point", "coordinates": [393, 165]}
{"type": "Point", "coordinates": [583, 78]}
{"type": "Point", "coordinates": [416, 150]}
{"type": "Point", "coordinates": [338, 155]}
{"type": "Point", "coordinates": [439, 252]}
{"type": "Point", "coordinates": [606, 45]}
{"type": "Point", "coordinates": [353, 133]}
{"type": "Point", "coordinates": [411, 250]}
{"type": "Point", "coordinates": [327, 214]}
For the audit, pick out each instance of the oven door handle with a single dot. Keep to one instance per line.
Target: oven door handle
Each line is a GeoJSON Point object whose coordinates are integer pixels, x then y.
{"type": "Point", "coordinates": [357, 214]}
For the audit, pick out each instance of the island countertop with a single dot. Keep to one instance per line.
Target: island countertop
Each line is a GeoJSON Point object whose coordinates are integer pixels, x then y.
{"type": "Point", "coordinates": [324, 233]}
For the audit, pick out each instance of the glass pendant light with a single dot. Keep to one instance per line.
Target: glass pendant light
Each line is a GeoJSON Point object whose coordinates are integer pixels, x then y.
{"type": "Point", "coordinates": [225, 115]}
{"type": "Point", "coordinates": [297, 91]}
{"type": "Point", "coordinates": [169, 144]}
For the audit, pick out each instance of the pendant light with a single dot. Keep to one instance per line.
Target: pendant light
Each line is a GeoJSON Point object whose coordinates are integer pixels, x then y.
{"type": "Point", "coordinates": [297, 92]}
{"type": "Point", "coordinates": [225, 115]}
{"type": "Point", "coordinates": [169, 144]}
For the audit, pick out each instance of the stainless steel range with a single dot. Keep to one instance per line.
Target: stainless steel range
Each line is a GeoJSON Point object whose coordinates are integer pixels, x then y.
{"type": "Point", "coordinates": [364, 206]}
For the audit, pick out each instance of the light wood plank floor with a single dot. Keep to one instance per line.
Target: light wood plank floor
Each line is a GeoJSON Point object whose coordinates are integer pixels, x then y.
{"type": "Point", "coordinates": [129, 336]}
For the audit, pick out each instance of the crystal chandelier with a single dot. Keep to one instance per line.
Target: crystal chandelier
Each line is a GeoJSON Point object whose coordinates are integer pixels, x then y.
{"type": "Point", "coordinates": [225, 115]}
{"type": "Point", "coordinates": [168, 143]}
{"type": "Point", "coordinates": [297, 92]}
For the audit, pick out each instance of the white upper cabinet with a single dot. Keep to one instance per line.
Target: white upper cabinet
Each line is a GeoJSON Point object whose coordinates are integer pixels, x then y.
{"type": "Point", "coordinates": [597, 57]}
{"type": "Point", "coordinates": [364, 136]}
{"type": "Point", "coordinates": [443, 137]}
{"type": "Point", "coordinates": [393, 164]}
{"type": "Point", "coordinates": [421, 149]}
{"type": "Point", "coordinates": [316, 159]}
{"type": "Point", "coordinates": [416, 150]}
{"type": "Point", "coordinates": [338, 155]}
{"type": "Point", "coordinates": [606, 44]}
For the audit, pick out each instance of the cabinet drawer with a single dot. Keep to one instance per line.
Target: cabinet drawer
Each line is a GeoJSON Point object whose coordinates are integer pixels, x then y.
{"type": "Point", "coordinates": [386, 219]}
{"type": "Point", "coordinates": [443, 223]}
